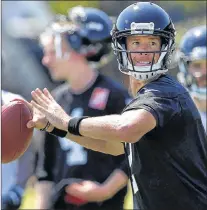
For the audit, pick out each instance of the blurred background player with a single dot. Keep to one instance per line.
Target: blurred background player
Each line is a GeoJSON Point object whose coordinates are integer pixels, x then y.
{"type": "Point", "coordinates": [192, 66]}
{"type": "Point", "coordinates": [16, 173]}
{"type": "Point", "coordinates": [22, 23]}
{"type": "Point", "coordinates": [73, 50]}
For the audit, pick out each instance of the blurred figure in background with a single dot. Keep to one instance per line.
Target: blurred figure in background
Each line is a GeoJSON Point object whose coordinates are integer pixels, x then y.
{"type": "Point", "coordinates": [22, 22]}
{"type": "Point", "coordinates": [192, 66]}
{"type": "Point", "coordinates": [16, 173]}
{"type": "Point", "coordinates": [73, 51]}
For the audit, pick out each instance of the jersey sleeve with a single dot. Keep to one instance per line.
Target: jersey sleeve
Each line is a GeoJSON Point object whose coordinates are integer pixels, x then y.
{"type": "Point", "coordinates": [162, 108]}
{"type": "Point", "coordinates": [124, 167]}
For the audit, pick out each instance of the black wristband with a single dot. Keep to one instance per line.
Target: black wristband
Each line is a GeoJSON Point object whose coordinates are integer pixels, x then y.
{"type": "Point", "coordinates": [73, 125]}
{"type": "Point", "coordinates": [58, 132]}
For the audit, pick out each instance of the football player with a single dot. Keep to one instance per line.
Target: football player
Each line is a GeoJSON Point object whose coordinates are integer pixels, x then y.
{"type": "Point", "coordinates": [192, 66]}
{"type": "Point", "coordinates": [165, 141]}
{"type": "Point", "coordinates": [71, 48]}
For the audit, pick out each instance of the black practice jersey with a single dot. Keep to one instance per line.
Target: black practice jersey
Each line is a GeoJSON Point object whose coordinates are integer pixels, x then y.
{"type": "Point", "coordinates": [63, 158]}
{"type": "Point", "coordinates": [169, 164]}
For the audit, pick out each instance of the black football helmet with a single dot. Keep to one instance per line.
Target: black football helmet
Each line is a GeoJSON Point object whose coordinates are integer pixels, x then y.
{"type": "Point", "coordinates": [87, 31]}
{"type": "Point", "coordinates": [142, 19]}
{"type": "Point", "coordinates": [92, 36]}
{"type": "Point", "coordinates": [192, 48]}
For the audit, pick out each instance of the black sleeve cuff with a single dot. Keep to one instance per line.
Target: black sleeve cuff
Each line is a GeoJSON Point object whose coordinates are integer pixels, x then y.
{"type": "Point", "coordinates": [125, 167]}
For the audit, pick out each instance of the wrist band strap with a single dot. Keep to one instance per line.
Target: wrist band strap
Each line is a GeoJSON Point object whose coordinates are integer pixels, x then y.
{"type": "Point", "coordinates": [73, 125]}
{"type": "Point", "coordinates": [46, 127]}
{"type": "Point", "coordinates": [58, 132]}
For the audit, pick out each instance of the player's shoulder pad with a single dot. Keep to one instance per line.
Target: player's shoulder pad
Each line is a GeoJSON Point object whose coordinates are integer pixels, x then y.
{"type": "Point", "coordinates": [9, 96]}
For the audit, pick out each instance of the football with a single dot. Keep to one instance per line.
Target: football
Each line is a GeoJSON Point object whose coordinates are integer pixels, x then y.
{"type": "Point", "coordinates": [16, 137]}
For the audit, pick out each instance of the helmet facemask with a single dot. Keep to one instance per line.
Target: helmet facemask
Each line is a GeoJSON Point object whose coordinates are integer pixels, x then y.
{"type": "Point", "coordinates": [192, 79]}
{"type": "Point", "coordinates": [124, 56]}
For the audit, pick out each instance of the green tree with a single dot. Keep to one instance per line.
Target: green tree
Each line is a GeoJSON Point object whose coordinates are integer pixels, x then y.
{"type": "Point", "coordinates": [61, 7]}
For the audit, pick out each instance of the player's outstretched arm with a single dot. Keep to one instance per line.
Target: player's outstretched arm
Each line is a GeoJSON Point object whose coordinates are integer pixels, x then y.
{"type": "Point", "coordinates": [39, 121]}
{"type": "Point", "coordinates": [112, 148]}
{"type": "Point", "coordinates": [106, 133]}
{"type": "Point", "coordinates": [128, 127]}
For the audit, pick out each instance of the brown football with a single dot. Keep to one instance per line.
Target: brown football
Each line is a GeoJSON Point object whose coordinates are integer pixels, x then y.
{"type": "Point", "coordinates": [16, 137]}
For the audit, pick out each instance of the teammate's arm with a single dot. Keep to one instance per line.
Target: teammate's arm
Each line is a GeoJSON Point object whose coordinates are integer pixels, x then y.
{"type": "Point", "coordinates": [43, 191]}
{"type": "Point", "coordinates": [116, 181]}
{"type": "Point", "coordinates": [95, 192]}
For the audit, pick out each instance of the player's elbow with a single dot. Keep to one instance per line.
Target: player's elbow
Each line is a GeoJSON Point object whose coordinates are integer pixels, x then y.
{"type": "Point", "coordinates": [115, 153]}
{"type": "Point", "coordinates": [114, 148]}
{"type": "Point", "coordinates": [128, 134]}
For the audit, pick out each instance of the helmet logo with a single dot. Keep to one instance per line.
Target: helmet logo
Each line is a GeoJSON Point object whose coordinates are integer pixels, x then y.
{"type": "Point", "coordinates": [142, 28]}
{"type": "Point", "coordinates": [94, 26]}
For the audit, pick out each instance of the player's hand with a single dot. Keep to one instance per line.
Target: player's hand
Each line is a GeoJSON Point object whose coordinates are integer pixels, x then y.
{"type": "Point", "coordinates": [47, 106]}
{"type": "Point", "coordinates": [88, 190]}
{"type": "Point", "coordinates": [39, 120]}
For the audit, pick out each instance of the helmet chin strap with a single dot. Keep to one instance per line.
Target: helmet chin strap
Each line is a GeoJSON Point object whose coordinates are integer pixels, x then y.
{"type": "Point", "coordinates": [58, 47]}
{"type": "Point", "coordinates": [58, 43]}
